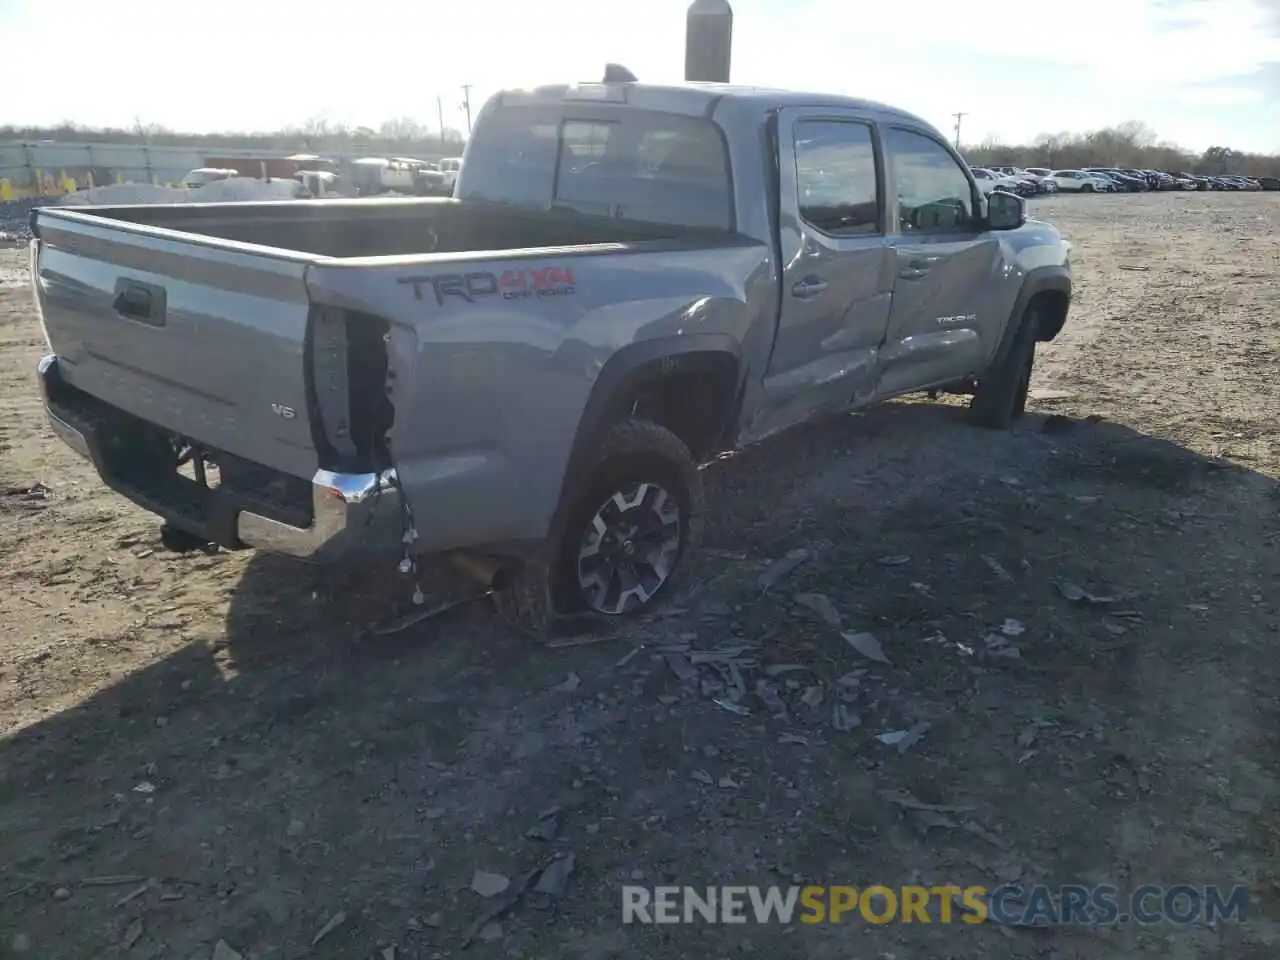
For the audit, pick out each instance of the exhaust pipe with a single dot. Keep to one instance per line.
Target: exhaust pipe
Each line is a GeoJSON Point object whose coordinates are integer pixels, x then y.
{"type": "Point", "coordinates": [493, 574]}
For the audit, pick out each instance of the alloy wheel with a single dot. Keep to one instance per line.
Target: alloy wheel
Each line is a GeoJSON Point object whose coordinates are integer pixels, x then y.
{"type": "Point", "coordinates": [629, 548]}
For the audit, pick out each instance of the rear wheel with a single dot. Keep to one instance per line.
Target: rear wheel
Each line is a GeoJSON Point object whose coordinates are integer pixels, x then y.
{"type": "Point", "coordinates": [632, 525]}
{"type": "Point", "coordinates": [1001, 394]}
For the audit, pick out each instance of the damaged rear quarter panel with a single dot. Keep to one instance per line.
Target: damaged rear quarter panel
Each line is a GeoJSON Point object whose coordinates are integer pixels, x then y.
{"type": "Point", "coordinates": [489, 390]}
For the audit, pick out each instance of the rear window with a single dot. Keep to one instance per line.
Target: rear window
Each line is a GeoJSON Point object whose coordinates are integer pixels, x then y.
{"type": "Point", "coordinates": [610, 162]}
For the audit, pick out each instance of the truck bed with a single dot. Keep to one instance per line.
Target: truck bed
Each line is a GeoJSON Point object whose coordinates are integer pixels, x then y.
{"type": "Point", "coordinates": [384, 227]}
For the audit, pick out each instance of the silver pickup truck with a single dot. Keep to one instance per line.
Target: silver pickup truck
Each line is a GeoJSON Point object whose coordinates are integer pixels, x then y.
{"type": "Point", "coordinates": [628, 279]}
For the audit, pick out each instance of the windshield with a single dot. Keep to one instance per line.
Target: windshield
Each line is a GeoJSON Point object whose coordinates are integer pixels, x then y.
{"type": "Point", "coordinates": [602, 160]}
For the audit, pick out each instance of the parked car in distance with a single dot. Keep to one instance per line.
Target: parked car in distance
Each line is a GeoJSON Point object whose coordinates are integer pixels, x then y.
{"type": "Point", "coordinates": [1118, 182]}
{"type": "Point", "coordinates": [1041, 181]}
{"type": "Point", "coordinates": [989, 180]}
{"type": "Point", "coordinates": [202, 176]}
{"type": "Point", "coordinates": [1269, 183]}
{"type": "Point", "coordinates": [1200, 183]}
{"type": "Point", "coordinates": [1123, 181]}
{"type": "Point", "coordinates": [1163, 180]}
{"type": "Point", "coordinates": [1077, 181]}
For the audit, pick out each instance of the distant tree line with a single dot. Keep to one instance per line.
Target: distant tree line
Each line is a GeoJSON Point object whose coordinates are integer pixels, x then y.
{"type": "Point", "coordinates": [1131, 144]}
{"type": "Point", "coordinates": [318, 135]}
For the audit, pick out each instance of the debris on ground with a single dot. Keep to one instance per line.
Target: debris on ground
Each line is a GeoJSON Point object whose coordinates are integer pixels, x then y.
{"type": "Point", "coordinates": [895, 560]}
{"type": "Point", "coordinates": [768, 695]}
{"type": "Point", "coordinates": [36, 491]}
{"type": "Point", "coordinates": [997, 568]}
{"type": "Point", "coordinates": [547, 826]}
{"type": "Point", "coordinates": [330, 925]}
{"type": "Point", "coordinates": [867, 645]}
{"type": "Point", "coordinates": [844, 719]}
{"type": "Point", "coordinates": [1076, 593]}
{"type": "Point", "coordinates": [820, 604]}
{"type": "Point", "coordinates": [926, 820]}
{"type": "Point", "coordinates": [489, 884]}
{"type": "Point", "coordinates": [570, 683]}
{"type": "Point", "coordinates": [554, 880]}
{"type": "Point", "coordinates": [782, 567]}
{"type": "Point", "coordinates": [685, 672]}
{"type": "Point", "coordinates": [904, 740]}
{"type": "Point", "coordinates": [511, 896]}
{"type": "Point", "coordinates": [132, 934]}
{"type": "Point", "coordinates": [998, 645]}
{"type": "Point", "coordinates": [908, 802]}
{"type": "Point", "coordinates": [116, 880]}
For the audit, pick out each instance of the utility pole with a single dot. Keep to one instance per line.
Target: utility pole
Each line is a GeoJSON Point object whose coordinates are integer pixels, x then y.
{"type": "Point", "coordinates": [440, 116]}
{"type": "Point", "coordinates": [466, 105]}
{"type": "Point", "coordinates": [959, 116]}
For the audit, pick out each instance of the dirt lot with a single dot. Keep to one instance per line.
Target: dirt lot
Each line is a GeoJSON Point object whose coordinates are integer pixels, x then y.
{"type": "Point", "coordinates": [1082, 617]}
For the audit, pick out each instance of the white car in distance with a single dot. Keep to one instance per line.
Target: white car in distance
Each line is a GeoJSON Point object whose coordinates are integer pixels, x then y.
{"type": "Point", "coordinates": [1077, 181]}
{"type": "Point", "coordinates": [989, 180]}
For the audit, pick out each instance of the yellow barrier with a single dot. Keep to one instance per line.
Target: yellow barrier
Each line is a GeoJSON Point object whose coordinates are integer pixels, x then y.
{"type": "Point", "coordinates": [45, 184]}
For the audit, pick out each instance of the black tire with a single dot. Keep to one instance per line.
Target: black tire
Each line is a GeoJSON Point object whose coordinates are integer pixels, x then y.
{"type": "Point", "coordinates": [1001, 395]}
{"type": "Point", "coordinates": [1087, 188]}
{"type": "Point", "coordinates": [642, 460]}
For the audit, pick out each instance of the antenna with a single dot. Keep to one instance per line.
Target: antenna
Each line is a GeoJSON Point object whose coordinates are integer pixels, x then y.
{"type": "Point", "coordinates": [617, 73]}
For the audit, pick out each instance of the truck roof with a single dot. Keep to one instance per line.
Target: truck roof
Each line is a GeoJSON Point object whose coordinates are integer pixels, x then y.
{"type": "Point", "coordinates": [700, 99]}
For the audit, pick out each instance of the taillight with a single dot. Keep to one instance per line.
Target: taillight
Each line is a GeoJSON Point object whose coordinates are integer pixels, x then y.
{"type": "Point", "coordinates": [350, 388]}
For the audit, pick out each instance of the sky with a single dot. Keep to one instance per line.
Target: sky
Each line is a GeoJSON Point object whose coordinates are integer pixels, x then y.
{"type": "Point", "coordinates": [1199, 72]}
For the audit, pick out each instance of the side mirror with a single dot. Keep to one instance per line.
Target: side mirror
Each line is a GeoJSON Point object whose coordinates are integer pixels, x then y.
{"type": "Point", "coordinates": [1005, 211]}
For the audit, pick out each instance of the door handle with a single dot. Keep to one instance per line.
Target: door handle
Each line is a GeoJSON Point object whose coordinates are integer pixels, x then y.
{"type": "Point", "coordinates": [917, 267]}
{"type": "Point", "coordinates": [144, 302]}
{"type": "Point", "coordinates": [808, 288]}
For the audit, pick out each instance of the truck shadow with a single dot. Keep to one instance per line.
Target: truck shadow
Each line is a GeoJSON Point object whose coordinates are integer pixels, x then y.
{"type": "Point", "coordinates": [318, 759]}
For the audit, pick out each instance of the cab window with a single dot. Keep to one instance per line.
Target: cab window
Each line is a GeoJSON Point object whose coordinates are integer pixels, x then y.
{"type": "Point", "coordinates": [934, 193]}
{"type": "Point", "coordinates": [836, 177]}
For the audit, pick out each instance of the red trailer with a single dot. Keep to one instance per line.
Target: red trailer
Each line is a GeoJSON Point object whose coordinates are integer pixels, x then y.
{"type": "Point", "coordinates": [258, 168]}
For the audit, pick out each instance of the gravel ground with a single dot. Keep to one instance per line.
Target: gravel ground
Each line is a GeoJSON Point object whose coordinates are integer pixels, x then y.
{"type": "Point", "coordinates": [1080, 616]}
{"type": "Point", "coordinates": [15, 226]}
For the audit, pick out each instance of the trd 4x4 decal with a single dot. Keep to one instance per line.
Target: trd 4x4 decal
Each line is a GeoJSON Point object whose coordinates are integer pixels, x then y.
{"type": "Point", "coordinates": [510, 284]}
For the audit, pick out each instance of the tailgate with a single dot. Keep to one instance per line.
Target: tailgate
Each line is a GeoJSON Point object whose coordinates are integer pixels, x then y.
{"type": "Point", "coordinates": [206, 338]}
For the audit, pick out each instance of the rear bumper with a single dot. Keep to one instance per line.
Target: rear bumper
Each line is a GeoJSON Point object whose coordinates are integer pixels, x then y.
{"type": "Point", "coordinates": [347, 513]}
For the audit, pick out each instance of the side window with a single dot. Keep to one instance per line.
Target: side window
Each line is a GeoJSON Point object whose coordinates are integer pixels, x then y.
{"type": "Point", "coordinates": [836, 177]}
{"type": "Point", "coordinates": [934, 195]}
{"type": "Point", "coordinates": [584, 142]}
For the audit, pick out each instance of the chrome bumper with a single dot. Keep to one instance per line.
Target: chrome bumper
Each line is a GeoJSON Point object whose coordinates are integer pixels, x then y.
{"type": "Point", "coordinates": [351, 512]}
